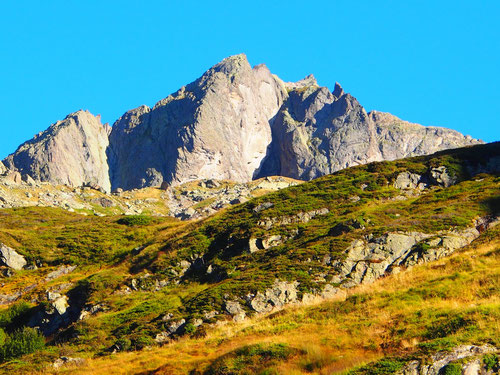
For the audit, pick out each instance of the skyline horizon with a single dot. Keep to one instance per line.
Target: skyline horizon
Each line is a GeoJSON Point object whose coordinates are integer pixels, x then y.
{"type": "Point", "coordinates": [428, 63]}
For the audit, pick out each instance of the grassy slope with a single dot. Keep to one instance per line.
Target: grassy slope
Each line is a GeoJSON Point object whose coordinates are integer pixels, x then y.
{"type": "Point", "coordinates": [412, 314]}
{"type": "Point", "coordinates": [103, 250]}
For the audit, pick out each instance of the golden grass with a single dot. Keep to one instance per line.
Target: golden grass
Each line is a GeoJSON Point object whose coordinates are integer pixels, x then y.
{"type": "Point", "coordinates": [329, 341]}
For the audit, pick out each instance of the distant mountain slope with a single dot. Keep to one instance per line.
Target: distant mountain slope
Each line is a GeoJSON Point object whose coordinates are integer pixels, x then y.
{"type": "Point", "coordinates": [235, 122]}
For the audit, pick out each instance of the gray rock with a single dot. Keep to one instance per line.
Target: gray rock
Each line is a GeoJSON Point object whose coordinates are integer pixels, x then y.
{"type": "Point", "coordinates": [234, 309]}
{"type": "Point", "coordinates": [174, 327]}
{"type": "Point", "coordinates": [62, 270]}
{"type": "Point", "coordinates": [215, 128]}
{"type": "Point", "coordinates": [263, 206]}
{"type": "Point", "coordinates": [407, 180]}
{"type": "Point", "coordinates": [441, 176]}
{"type": "Point", "coordinates": [60, 304]}
{"type": "Point", "coordinates": [301, 217]}
{"type": "Point", "coordinates": [70, 152]}
{"type": "Point", "coordinates": [10, 258]}
{"type": "Point", "coordinates": [317, 132]}
{"type": "Point", "coordinates": [367, 260]}
{"type": "Point", "coordinates": [280, 294]}
{"type": "Point", "coordinates": [65, 361]}
{"type": "Point", "coordinates": [438, 361]}
{"type": "Point", "coordinates": [3, 169]}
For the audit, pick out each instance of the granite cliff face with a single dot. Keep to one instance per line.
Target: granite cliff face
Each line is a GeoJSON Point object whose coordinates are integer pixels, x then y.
{"type": "Point", "coordinates": [233, 123]}
{"type": "Point", "coordinates": [70, 152]}
{"type": "Point", "coordinates": [216, 127]}
{"type": "Point", "coordinates": [318, 132]}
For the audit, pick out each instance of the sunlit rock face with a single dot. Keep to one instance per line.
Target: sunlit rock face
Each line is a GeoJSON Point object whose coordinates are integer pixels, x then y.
{"type": "Point", "coordinates": [70, 152]}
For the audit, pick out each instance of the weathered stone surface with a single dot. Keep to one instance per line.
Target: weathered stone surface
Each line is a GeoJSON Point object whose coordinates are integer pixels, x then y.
{"type": "Point", "coordinates": [367, 260]}
{"type": "Point", "coordinates": [438, 361]}
{"type": "Point", "coordinates": [70, 152]}
{"type": "Point", "coordinates": [441, 176]}
{"type": "Point", "coordinates": [62, 270]}
{"type": "Point", "coordinates": [60, 304]}
{"type": "Point", "coordinates": [175, 326]}
{"type": "Point", "coordinates": [301, 217]}
{"type": "Point", "coordinates": [280, 294]}
{"type": "Point", "coordinates": [11, 258]}
{"type": "Point", "coordinates": [3, 169]}
{"type": "Point", "coordinates": [216, 127]}
{"type": "Point", "coordinates": [66, 361]}
{"type": "Point", "coordinates": [234, 309]}
{"type": "Point", "coordinates": [263, 206]}
{"type": "Point", "coordinates": [408, 180]}
{"type": "Point", "coordinates": [317, 132]}
{"type": "Point", "coordinates": [233, 123]}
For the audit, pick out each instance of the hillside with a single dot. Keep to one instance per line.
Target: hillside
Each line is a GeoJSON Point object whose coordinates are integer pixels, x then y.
{"type": "Point", "coordinates": [378, 265]}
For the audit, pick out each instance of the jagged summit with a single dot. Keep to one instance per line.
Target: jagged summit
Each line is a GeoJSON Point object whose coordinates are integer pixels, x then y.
{"type": "Point", "coordinates": [338, 91]}
{"type": "Point", "coordinates": [235, 122]}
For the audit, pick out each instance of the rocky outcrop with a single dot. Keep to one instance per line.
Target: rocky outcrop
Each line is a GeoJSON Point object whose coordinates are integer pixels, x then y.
{"type": "Point", "coordinates": [70, 152]}
{"type": "Point", "coordinates": [216, 127]}
{"type": "Point", "coordinates": [465, 359]}
{"type": "Point", "coordinates": [371, 258]}
{"type": "Point", "coordinates": [317, 132]}
{"type": "Point", "coordinates": [280, 294]}
{"type": "Point", "coordinates": [11, 258]}
{"type": "Point", "coordinates": [3, 169]}
{"type": "Point", "coordinates": [301, 217]}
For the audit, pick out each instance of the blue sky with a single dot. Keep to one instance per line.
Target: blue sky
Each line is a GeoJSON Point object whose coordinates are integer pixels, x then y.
{"type": "Point", "coordinates": [430, 62]}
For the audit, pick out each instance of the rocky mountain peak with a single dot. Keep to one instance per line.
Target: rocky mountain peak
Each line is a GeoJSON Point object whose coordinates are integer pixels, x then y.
{"type": "Point", "coordinates": [231, 64]}
{"type": "Point", "coordinates": [235, 123]}
{"type": "Point", "coordinates": [71, 152]}
{"type": "Point", "coordinates": [338, 91]}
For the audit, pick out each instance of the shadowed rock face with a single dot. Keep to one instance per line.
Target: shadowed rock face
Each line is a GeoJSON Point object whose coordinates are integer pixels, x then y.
{"type": "Point", "coordinates": [235, 122]}
{"type": "Point", "coordinates": [216, 127]}
{"type": "Point", "coordinates": [318, 132]}
{"type": "Point", "coordinates": [71, 152]}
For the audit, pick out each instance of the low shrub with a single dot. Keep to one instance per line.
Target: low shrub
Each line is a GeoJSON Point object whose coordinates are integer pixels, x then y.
{"type": "Point", "coordinates": [134, 220]}
{"type": "Point", "coordinates": [452, 369]}
{"type": "Point", "coordinates": [24, 341]}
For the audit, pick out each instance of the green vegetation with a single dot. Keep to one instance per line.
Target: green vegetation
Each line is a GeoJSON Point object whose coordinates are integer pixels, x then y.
{"type": "Point", "coordinates": [52, 236]}
{"type": "Point", "coordinates": [491, 361]}
{"type": "Point", "coordinates": [452, 369]}
{"type": "Point", "coordinates": [23, 341]}
{"type": "Point", "coordinates": [133, 220]}
{"type": "Point", "coordinates": [251, 359]}
{"type": "Point", "coordinates": [382, 367]}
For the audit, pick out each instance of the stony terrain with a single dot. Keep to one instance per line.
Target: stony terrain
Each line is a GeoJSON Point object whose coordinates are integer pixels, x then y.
{"type": "Point", "coordinates": [233, 123]}
{"type": "Point", "coordinates": [187, 201]}
{"type": "Point", "coordinates": [386, 267]}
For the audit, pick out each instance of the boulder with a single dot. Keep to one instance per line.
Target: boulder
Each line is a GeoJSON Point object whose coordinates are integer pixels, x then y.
{"type": "Point", "coordinates": [408, 180]}
{"type": "Point", "coordinates": [10, 258]}
{"type": "Point", "coordinates": [436, 364]}
{"type": "Point", "coordinates": [234, 309]}
{"type": "Point", "coordinates": [441, 176]}
{"type": "Point", "coordinates": [280, 294]}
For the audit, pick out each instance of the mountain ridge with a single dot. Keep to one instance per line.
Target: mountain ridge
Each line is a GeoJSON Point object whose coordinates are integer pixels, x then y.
{"type": "Point", "coordinates": [235, 122]}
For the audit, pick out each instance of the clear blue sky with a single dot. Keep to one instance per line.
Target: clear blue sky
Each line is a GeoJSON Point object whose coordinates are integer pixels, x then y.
{"type": "Point", "coordinates": [430, 62]}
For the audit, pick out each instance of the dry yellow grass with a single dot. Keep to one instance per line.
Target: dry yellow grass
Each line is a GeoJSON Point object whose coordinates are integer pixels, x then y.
{"type": "Point", "coordinates": [327, 343]}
